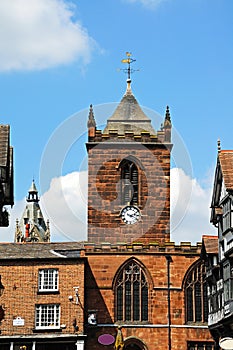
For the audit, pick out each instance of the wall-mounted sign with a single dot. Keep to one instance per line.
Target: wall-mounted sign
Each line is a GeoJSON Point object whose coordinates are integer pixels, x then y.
{"type": "Point", "coordinates": [106, 339]}
{"type": "Point", "coordinates": [18, 321]}
{"type": "Point", "coordinates": [226, 343]}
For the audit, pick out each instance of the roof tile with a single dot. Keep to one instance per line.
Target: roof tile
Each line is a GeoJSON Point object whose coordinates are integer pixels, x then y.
{"type": "Point", "coordinates": [226, 162]}
{"type": "Point", "coordinates": [211, 244]}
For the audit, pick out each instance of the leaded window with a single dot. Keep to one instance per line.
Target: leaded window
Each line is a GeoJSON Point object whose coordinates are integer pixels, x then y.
{"type": "Point", "coordinates": [48, 280]}
{"type": "Point", "coordinates": [131, 294]}
{"type": "Point", "coordinates": [196, 302]}
{"type": "Point", "coordinates": [47, 316]}
{"type": "Point", "coordinates": [129, 180]}
{"type": "Point", "coordinates": [227, 214]}
{"type": "Point", "coordinates": [228, 281]}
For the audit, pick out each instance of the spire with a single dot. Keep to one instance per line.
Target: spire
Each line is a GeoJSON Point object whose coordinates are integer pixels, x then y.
{"type": "Point", "coordinates": [129, 116]}
{"type": "Point", "coordinates": [91, 124]}
{"type": "Point", "coordinates": [91, 119]}
{"type": "Point", "coordinates": [167, 125]}
{"type": "Point", "coordinates": [32, 226]}
{"type": "Point", "coordinates": [33, 193]}
{"type": "Point", "coordinates": [167, 115]}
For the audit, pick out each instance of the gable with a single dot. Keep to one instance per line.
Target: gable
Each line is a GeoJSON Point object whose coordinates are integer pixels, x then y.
{"type": "Point", "coordinates": [223, 182]}
{"type": "Point", "coordinates": [217, 192]}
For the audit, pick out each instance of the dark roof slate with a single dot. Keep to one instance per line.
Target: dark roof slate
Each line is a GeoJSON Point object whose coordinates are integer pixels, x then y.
{"type": "Point", "coordinates": [61, 250]}
{"type": "Point", "coordinates": [129, 116]}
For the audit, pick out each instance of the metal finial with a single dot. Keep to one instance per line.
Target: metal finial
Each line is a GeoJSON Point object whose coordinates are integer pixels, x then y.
{"type": "Point", "coordinates": [129, 70]}
{"type": "Point", "coordinates": [219, 145]}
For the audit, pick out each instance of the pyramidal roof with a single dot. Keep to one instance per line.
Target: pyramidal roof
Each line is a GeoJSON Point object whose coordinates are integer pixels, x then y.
{"type": "Point", "coordinates": [33, 187]}
{"type": "Point", "coordinates": [129, 116]}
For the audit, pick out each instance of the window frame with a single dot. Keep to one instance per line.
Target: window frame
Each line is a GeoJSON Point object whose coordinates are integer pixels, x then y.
{"type": "Point", "coordinates": [129, 183]}
{"type": "Point", "coordinates": [228, 281]}
{"type": "Point", "coordinates": [227, 215]}
{"type": "Point", "coordinates": [196, 296]}
{"type": "Point", "coordinates": [131, 294]}
{"type": "Point", "coordinates": [47, 310]}
{"type": "Point", "coordinates": [202, 345]}
{"type": "Point", "coordinates": [48, 280]}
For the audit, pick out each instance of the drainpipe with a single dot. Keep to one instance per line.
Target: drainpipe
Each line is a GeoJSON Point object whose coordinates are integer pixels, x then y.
{"type": "Point", "coordinates": [169, 261]}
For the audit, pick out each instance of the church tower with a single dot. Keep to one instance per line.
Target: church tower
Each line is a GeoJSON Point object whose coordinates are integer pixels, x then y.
{"type": "Point", "coordinates": [32, 226]}
{"type": "Point", "coordinates": [129, 175]}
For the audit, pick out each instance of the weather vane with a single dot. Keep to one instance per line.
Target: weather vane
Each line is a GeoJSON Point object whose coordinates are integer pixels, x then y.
{"type": "Point", "coordinates": [129, 60]}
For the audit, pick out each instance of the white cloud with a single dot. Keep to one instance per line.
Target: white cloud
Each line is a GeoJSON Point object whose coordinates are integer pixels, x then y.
{"type": "Point", "coordinates": [65, 204]}
{"type": "Point", "coordinates": [150, 4]}
{"type": "Point", "coordinates": [39, 34]}
{"type": "Point", "coordinates": [190, 213]}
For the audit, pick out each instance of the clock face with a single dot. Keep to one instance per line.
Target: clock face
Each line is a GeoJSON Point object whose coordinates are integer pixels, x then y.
{"type": "Point", "coordinates": [130, 214]}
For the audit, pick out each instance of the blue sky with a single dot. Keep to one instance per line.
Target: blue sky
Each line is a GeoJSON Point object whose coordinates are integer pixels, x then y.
{"type": "Point", "coordinates": [57, 57]}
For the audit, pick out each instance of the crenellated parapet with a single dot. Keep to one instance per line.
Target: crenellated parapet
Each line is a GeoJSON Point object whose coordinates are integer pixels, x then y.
{"type": "Point", "coordinates": [129, 131]}
{"type": "Point", "coordinates": [137, 247]}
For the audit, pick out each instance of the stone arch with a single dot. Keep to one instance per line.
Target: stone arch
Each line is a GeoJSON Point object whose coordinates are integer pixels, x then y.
{"type": "Point", "coordinates": [133, 159]}
{"type": "Point", "coordinates": [134, 343]}
{"type": "Point", "coordinates": [140, 263]}
{"type": "Point", "coordinates": [195, 293]}
{"type": "Point", "coordinates": [131, 287]}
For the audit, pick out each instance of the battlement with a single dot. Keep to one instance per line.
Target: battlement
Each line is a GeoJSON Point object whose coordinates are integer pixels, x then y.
{"type": "Point", "coordinates": [137, 247]}
{"type": "Point", "coordinates": [114, 136]}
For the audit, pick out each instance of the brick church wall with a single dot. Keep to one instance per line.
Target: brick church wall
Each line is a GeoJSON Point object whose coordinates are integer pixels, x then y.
{"type": "Point", "coordinates": [104, 202]}
{"type": "Point", "coordinates": [103, 264]}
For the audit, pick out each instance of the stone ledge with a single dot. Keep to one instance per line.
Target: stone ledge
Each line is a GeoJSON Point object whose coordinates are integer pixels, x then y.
{"type": "Point", "coordinates": [138, 247]}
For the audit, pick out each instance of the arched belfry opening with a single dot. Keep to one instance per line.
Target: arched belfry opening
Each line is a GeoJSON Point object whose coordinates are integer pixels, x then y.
{"type": "Point", "coordinates": [129, 182]}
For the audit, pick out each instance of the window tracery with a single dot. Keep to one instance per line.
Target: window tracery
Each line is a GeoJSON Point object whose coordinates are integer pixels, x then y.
{"type": "Point", "coordinates": [131, 294]}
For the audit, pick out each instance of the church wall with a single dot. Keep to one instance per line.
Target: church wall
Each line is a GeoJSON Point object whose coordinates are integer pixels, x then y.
{"type": "Point", "coordinates": [103, 264]}
{"type": "Point", "coordinates": [104, 200]}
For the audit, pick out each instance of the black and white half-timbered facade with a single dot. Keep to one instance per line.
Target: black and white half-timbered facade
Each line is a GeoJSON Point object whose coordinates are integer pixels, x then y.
{"type": "Point", "coordinates": [218, 251]}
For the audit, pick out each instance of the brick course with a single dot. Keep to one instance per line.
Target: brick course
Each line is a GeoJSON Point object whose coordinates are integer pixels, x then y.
{"type": "Point", "coordinates": [20, 280]}
{"type": "Point", "coordinates": [103, 264]}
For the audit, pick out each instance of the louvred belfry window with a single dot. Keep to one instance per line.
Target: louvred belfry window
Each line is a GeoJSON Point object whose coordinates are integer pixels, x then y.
{"type": "Point", "coordinates": [129, 177]}
{"type": "Point", "coordinates": [131, 294]}
{"type": "Point", "coordinates": [196, 302]}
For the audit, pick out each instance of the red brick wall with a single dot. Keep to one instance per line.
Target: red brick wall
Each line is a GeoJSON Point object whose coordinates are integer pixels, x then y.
{"type": "Point", "coordinates": [104, 206]}
{"type": "Point", "coordinates": [20, 280]}
{"type": "Point", "coordinates": [103, 266]}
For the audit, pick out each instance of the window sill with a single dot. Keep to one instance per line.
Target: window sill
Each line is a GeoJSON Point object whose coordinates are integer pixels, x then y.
{"type": "Point", "coordinates": [133, 322]}
{"type": "Point", "coordinates": [49, 291]}
{"type": "Point", "coordinates": [47, 329]}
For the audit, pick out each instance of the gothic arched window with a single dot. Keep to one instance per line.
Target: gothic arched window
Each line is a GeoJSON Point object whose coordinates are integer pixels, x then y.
{"type": "Point", "coordinates": [129, 180]}
{"type": "Point", "coordinates": [196, 303]}
{"type": "Point", "coordinates": [131, 291]}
